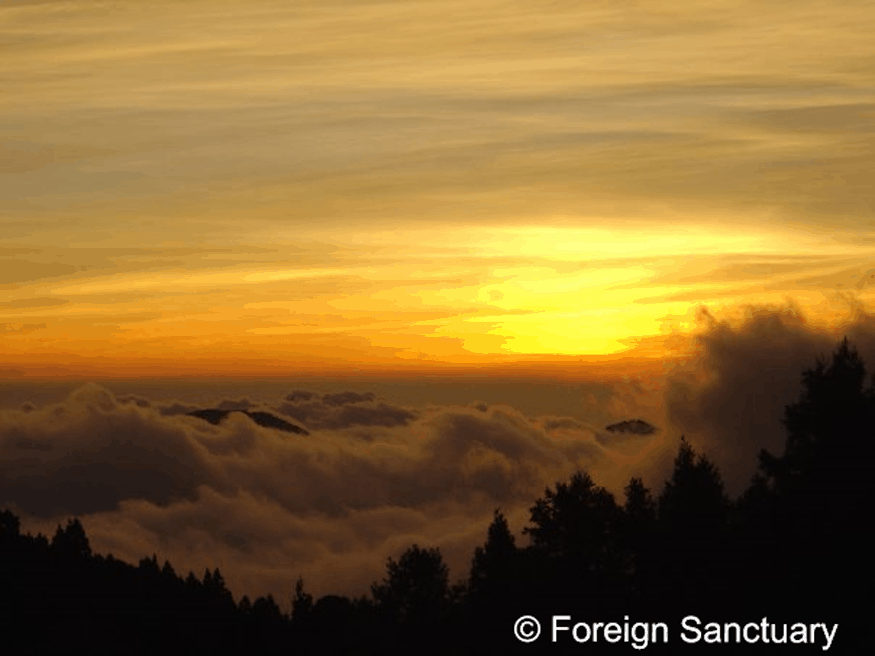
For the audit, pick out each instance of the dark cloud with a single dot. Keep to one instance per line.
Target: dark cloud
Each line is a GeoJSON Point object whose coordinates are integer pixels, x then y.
{"type": "Point", "coordinates": [732, 402]}
{"type": "Point", "coordinates": [632, 426]}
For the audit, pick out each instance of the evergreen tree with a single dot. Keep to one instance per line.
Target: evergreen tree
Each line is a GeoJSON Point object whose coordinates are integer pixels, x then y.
{"type": "Point", "coordinates": [820, 491]}
{"type": "Point", "coordinates": [416, 587]}
{"type": "Point", "coordinates": [579, 520]}
{"type": "Point", "coordinates": [72, 540]}
{"type": "Point", "coordinates": [302, 602]}
{"type": "Point", "coordinates": [638, 535]}
{"type": "Point", "coordinates": [10, 526]}
{"type": "Point", "coordinates": [493, 565]}
{"type": "Point", "coordinates": [576, 545]}
{"type": "Point", "coordinates": [693, 509]}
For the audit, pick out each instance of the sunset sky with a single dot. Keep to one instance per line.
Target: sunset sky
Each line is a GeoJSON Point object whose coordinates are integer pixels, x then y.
{"type": "Point", "coordinates": [206, 186]}
{"type": "Point", "coordinates": [633, 193]}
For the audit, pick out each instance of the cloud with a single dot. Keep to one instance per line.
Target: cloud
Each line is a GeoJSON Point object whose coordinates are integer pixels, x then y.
{"type": "Point", "coordinates": [89, 453]}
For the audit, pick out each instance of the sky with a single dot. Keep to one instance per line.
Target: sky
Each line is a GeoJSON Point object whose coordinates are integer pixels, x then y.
{"type": "Point", "coordinates": [559, 211]}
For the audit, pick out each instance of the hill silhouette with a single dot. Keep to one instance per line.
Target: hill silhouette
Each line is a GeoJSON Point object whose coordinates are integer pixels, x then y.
{"type": "Point", "coordinates": [215, 416]}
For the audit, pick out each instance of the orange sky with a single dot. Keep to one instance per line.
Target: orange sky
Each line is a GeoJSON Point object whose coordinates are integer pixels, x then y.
{"type": "Point", "coordinates": [264, 188]}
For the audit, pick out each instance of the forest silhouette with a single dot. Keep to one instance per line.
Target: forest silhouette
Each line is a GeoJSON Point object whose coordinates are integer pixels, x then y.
{"type": "Point", "coordinates": [792, 547]}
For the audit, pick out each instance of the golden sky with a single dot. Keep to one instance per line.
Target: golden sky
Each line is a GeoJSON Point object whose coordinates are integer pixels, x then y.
{"type": "Point", "coordinates": [258, 187]}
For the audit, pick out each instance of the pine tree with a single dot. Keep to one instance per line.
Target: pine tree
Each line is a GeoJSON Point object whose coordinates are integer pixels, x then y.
{"type": "Point", "coordinates": [821, 488]}
{"type": "Point", "coordinates": [493, 565]}
{"type": "Point", "coordinates": [416, 587]}
{"type": "Point", "coordinates": [72, 540]}
{"type": "Point", "coordinates": [302, 602]}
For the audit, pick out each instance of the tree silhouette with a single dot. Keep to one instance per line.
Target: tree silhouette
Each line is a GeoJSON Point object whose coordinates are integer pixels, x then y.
{"type": "Point", "coordinates": [819, 493]}
{"type": "Point", "coordinates": [638, 535]}
{"type": "Point", "coordinates": [302, 602]}
{"type": "Point", "coordinates": [576, 545]}
{"type": "Point", "coordinates": [693, 502]}
{"type": "Point", "coordinates": [168, 571]}
{"type": "Point", "coordinates": [266, 607]}
{"type": "Point", "coordinates": [72, 541]}
{"type": "Point", "coordinates": [150, 565]}
{"type": "Point", "coordinates": [416, 587]}
{"type": "Point", "coordinates": [825, 446]}
{"type": "Point", "coordinates": [693, 509]}
{"type": "Point", "coordinates": [579, 521]}
{"type": "Point", "coordinates": [192, 582]}
{"type": "Point", "coordinates": [10, 526]}
{"type": "Point", "coordinates": [494, 564]}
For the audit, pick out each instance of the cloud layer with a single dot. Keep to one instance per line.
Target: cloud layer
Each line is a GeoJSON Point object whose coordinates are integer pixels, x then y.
{"type": "Point", "coordinates": [269, 505]}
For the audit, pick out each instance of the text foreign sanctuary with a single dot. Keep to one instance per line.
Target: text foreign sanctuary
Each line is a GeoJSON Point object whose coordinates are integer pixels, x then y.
{"type": "Point", "coordinates": [692, 631]}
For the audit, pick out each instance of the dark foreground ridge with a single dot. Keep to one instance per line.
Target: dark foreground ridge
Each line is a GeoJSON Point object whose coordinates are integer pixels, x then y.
{"type": "Point", "coordinates": [215, 416]}
{"type": "Point", "coordinates": [784, 568]}
{"type": "Point", "coordinates": [636, 426]}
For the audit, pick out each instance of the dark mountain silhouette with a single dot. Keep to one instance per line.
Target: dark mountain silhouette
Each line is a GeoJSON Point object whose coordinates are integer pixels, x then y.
{"type": "Point", "coordinates": [635, 426]}
{"type": "Point", "coordinates": [215, 416]}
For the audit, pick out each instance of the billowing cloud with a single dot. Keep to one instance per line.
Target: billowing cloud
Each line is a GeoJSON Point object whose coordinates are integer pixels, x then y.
{"type": "Point", "coordinates": [731, 402]}
{"type": "Point", "coordinates": [267, 506]}
{"type": "Point", "coordinates": [90, 452]}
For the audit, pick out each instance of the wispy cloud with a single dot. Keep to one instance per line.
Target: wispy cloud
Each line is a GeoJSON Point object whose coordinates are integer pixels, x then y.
{"type": "Point", "coordinates": [234, 171]}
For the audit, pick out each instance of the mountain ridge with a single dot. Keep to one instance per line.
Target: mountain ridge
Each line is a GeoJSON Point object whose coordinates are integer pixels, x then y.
{"type": "Point", "coordinates": [265, 419]}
